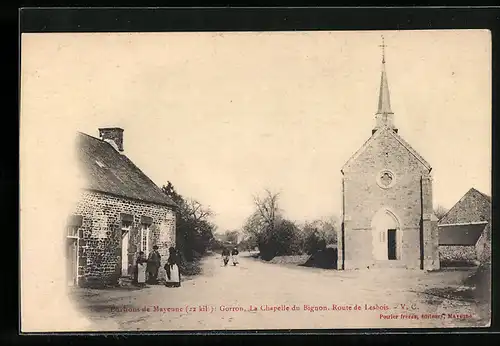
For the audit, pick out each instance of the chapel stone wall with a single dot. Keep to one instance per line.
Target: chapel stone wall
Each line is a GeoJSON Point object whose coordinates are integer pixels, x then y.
{"type": "Point", "coordinates": [363, 197]}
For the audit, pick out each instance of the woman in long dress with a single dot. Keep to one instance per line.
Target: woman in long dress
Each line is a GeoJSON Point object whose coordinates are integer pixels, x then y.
{"type": "Point", "coordinates": [141, 265]}
{"type": "Point", "coordinates": [172, 268]}
{"type": "Point", "coordinates": [234, 256]}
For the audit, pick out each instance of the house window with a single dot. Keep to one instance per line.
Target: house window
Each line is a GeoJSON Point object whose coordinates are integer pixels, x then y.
{"type": "Point", "coordinates": [73, 224]}
{"type": "Point", "coordinates": [72, 232]}
{"type": "Point", "coordinates": [144, 238]}
{"type": "Point", "coordinates": [72, 255]}
{"type": "Point", "coordinates": [126, 226]}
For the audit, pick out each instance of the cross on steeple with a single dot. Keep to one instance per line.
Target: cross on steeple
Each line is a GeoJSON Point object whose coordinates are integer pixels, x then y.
{"type": "Point", "coordinates": [384, 102]}
{"type": "Point", "coordinates": [383, 49]}
{"type": "Point", "coordinates": [384, 116]}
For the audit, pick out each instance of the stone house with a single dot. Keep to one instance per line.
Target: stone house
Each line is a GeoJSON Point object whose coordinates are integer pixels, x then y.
{"type": "Point", "coordinates": [387, 213]}
{"type": "Point", "coordinates": [465, 230]}
{"type": "Point", "coordinates": [120, 212]}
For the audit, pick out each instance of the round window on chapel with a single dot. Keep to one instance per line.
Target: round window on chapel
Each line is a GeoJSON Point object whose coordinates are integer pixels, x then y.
{"type": "Point", "coordinates": [386, 179]}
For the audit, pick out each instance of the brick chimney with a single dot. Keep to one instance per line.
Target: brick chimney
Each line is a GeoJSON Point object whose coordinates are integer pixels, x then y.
{"type": "Point", "coordinates": [112, 135]}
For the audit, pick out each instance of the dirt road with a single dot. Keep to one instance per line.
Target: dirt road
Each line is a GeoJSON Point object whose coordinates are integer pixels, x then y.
{"type": "Point", "coordinates": [257, 295]}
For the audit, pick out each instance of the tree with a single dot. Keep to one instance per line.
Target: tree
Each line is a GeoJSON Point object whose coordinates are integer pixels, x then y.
{"type": "Point", "coordinates": [267, 210]}
{"type": "Point", "coordinates": [440, 211]}
{"type": "Point", "coordinates": [194, 230]}
{"type": "Point", "coordinates": [287, 238]}
{"type": "Point", "coordinates": [329, 228]}
{"type": "Point", "coordinates": [266, 227]}
{"type": "Point", "coordinates": [314, 241]}
{"type": "Point", "coordinates": [263, 221]}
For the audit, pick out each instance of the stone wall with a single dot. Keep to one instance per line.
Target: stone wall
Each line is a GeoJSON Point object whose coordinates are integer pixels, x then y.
{"type": "Point", "coordinates": [364, 197]}
{"type": "Point", "coordinates": [483, 245]}
{"type": "Point", "coordinates": [451, 255]}
{"type": "Point", "coordinates": [430, 231]}
{"type": "Point", "coordinates": [100, 235]}
{"type": "Point", "coordinates": [358, 251]}
{"type": "Point", "coordinates": [411, 248]}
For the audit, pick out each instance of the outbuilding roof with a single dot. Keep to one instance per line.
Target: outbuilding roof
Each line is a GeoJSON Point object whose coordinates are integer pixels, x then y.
{"type": "Point", "coordinates": [464, 223]}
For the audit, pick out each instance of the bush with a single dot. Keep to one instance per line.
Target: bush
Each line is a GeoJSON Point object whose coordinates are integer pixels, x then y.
{"type": "Point", "coordinates": [216, 245]}
{"type": "Point", "coordinates": [190, 265]}
{"type": "Point", "coordinates": [266, 248]}
{"type": "Point", "coordinates": [325, 258]}
{"type": "Point", "coordinates": [284, 239]}
{"type": "Point", "coordinates": [190, 268]}
{"type": "Point", "coordinates": [314, 242]}
{"type": "Point", "coordinates": [248, 244]}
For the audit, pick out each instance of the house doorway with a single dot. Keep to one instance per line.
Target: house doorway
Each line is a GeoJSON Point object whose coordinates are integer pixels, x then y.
{"type": "Point", "coordinates": [125, 249]}
{"type": "Point", "coordinates": [391, 244]}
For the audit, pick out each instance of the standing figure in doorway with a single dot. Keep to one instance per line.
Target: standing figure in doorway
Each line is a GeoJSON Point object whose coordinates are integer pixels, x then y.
{"type": "Point", "coordinates": [172, 268]}
{"type": "Point", "coordinates": [154, 261]}
{"type": "Point", "coordinates": [140, 269]}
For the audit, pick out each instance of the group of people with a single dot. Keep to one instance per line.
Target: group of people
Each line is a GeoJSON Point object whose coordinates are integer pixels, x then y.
{"type": "Point", "coordinates": [146, 269]}
{"type": "Point", "coordinates": [234, 256]}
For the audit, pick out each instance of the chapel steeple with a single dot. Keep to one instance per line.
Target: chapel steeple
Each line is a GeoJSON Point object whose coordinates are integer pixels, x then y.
{"type": "Point", "coordinates": [384, 116]}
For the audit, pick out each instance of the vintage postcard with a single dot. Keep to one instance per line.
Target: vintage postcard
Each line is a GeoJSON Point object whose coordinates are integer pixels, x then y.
{"type": "Point", "coordinates": [255, 180]}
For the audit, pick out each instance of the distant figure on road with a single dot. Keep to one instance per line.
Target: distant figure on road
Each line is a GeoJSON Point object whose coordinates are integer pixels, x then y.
{"type": "Point", "coordinates": [225, 256]}
{"type": "Point", "coordinates": [154, 262]}
{"type": "Point", "coordinates": [172, 269]}
{"type": "Point", "coordinates": [140, 269]}
{"type": "Point", "coordinates": [234, 256]}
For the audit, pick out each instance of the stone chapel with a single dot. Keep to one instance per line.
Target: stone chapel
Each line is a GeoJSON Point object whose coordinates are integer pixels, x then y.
{"type": "Point", "coordinates": [387, 213]}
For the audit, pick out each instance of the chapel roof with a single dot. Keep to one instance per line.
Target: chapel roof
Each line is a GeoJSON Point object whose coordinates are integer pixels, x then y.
{"type": "Point", "coordinates": [111, 172]}
{"type": "Point", "coordinates": [384, 117]}
{"type": "Point", "coordinates": [392, 133]}
{"type": "Point", "coordinates": [384, 99]}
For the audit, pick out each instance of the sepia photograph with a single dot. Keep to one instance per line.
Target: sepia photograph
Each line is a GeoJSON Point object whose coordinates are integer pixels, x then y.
{"type": "Point", "coordinates": [197, 181]}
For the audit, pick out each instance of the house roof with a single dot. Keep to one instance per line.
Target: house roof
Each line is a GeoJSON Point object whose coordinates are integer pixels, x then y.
{"type": "Point", "coordinates": [397, 137]}
{"type": "Point", "coordinates": [111, 172]}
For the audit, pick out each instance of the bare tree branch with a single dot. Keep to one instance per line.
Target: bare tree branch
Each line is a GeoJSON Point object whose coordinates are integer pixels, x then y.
{"type": "Point", "coordinates": [197, 211]}
{"type": "Point", "coordinates": [266, 213]}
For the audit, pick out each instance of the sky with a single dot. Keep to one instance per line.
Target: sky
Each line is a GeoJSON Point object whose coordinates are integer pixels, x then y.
{"type": "Point", "coordinates": [225, 115]}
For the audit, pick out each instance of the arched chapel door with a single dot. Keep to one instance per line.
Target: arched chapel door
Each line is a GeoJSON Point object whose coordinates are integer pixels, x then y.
{"type": "Point", "coordinates": [386, 236]}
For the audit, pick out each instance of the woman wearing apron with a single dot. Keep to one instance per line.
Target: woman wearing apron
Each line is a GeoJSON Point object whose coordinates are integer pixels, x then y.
{"type": "Point", "coordinates": [173, 278]}
{"type": "Point", "coordinates": [234, 256]}
{"type": "Point", "coordinates": [141, 264]}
